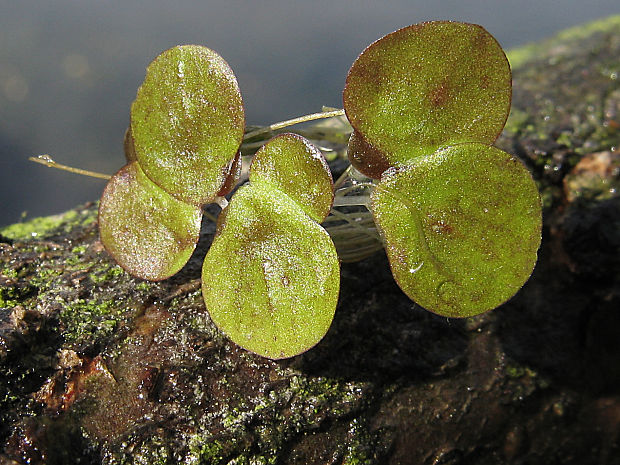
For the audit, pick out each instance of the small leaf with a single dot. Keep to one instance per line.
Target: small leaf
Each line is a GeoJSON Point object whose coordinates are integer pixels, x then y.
{"type": "Point", "coordinates": [462, 228]}
{"type": "Point", "coordinates": [187, 122]}
{"type": "Point", "coordinates": [233, 173]}
{"type": "Point", "coordinates": [294, 166]}
{"type": "Point", "coordinates": [366, 158]}
{"type": "Point", "coordinates": [271, 277]}
{"type": "Point", "coordinates": [423, 87]}
{"type": "Point", "coordinates": [128, 147]}
{"type": "Point", "coordinates": [148, 232]}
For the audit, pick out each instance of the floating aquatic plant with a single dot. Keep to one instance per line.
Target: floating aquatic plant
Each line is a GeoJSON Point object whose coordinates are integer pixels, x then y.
{"type": "Point", "coordinates": [271, 277]}
{"type": "Point", "coordinates": [460, 219]}
{"type": "Point", "coordinates": [186, 127]}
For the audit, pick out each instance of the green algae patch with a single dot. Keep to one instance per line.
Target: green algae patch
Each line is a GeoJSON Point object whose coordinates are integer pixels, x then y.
{"type": "Point", "coordinates": [43, 277]}
{"type": "Point", "coordinates": [210, 452]}
{"type": "Point", "coordinates": [268, 423]}
{"type": "Point", "coordinates": [107, 274]}
{"type": "Point", "coordinates": [12, 296]}
{"type": "Point", "coordinates": [35, 227]}
{"type": "Point", "coordinates": [47, 226]}
{"type": "Point", "coordinates": [88, 321]}
{"type": "Point", "coordinates": [243, 409]}
{"type": "Point", "coordinates": [364, 447]}
{"type": "Point", "coordinates": [565, 116]}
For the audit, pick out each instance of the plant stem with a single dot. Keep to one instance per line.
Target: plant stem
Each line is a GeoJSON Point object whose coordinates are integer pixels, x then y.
{"type": "Point", "coordinates": [209, 216]}
{"type": "Point", "coordinates": [291, 122]}
{"type": "Point", "coordinates": [48, 161]}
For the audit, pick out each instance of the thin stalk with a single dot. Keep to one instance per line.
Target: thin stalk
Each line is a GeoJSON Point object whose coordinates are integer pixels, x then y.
{"type": "Point", "coordinates": [363, 200]}
{"type": "Point", "coordinates": [210, 216]}
{"type": "Point", "coordinates": [49, 162]}
{"type": "Point", "coordinates": [343, 177]}
{"type": "Point", "coordinates": [291, 122]}
{"type": "Point", "coordinates": [364, 217]}
{"type": "Point", "coordinates": [345, 190]}
{"type": "Point", "coordinates": [355, 226]}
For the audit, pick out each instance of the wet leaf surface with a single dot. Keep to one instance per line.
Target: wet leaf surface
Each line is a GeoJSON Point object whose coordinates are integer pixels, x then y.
{"type": "Point", "coordinates": [270, 279]}
{"type": "Point", "coordinates": [462, 228]}
{"type": "Point", "coordinates": [426, 86]}
{"type": "Point", "coordinates": [296, 168]}
{"type": "Point", "coordinates": [148, 232]}
{"type": "Point", "coordinates": [187, 122]}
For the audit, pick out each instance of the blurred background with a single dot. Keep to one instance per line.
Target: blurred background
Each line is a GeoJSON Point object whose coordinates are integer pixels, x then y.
{"type": "Point", "coordinates": [69, 69]}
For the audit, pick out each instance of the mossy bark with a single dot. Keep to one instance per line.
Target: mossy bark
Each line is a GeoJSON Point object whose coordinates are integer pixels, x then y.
{"type": "Point", "coordinates": [99, 367]}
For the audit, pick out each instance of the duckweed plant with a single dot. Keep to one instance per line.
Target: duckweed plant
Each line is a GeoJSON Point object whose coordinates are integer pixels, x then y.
{"type": "Point", "coordinates": [460, 219]}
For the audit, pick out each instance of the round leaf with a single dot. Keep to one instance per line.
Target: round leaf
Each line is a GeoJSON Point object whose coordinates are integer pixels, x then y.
{"type": "Point", "coordinates": [295, 167]}
{"type": "Point", "coordinates": [270, 280]}
{"type": "Point", "coordinates": [148, 232]}
{"type": "Point", "coordinates": [428, 86]}
{"type": "Point", "coordinates": [462, 228]}
{"type": "Point", "coordinates": [187, 122]}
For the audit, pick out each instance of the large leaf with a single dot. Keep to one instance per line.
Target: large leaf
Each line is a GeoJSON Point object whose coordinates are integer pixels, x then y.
{"type": "Point", "coordinates": [187, 122]}
{"type": "Point", "coordinates": [462, 228]}
{"type": "Point", "coordinates": [271, 277]}
{"type": "Point", "coordinates": [423, 87]}
{"type": "Point", "coordinates": [148, 232]}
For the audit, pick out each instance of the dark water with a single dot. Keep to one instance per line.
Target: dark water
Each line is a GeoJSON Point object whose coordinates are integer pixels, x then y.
{"type": "Point", "coordinates": [69, 69]}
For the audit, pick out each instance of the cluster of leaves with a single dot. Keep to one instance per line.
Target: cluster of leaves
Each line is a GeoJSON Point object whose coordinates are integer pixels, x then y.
{"type": "Point", "coordinates": [460, 218]}
{"type": "Point", "coordinates": [187, 123]}
{"type": "Point", "coordinates": [271, 277]}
